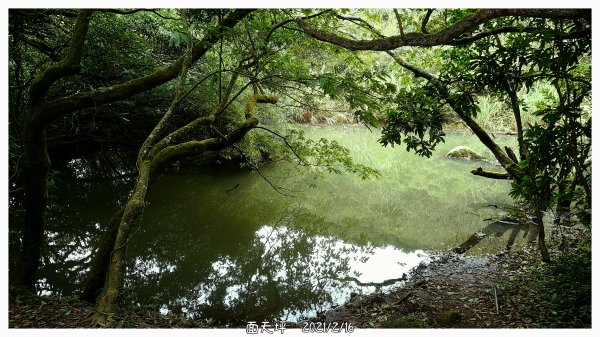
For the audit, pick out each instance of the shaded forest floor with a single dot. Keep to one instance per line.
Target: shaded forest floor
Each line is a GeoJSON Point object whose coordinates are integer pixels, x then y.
{"type": "Point", "coordinates": [509, 290]}
{"type": "Point", "coordinates": [454, 291]}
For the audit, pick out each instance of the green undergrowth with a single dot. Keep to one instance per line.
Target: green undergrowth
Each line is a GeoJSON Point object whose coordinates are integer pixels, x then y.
{"type": "Point", "coordinates": [557, 294]}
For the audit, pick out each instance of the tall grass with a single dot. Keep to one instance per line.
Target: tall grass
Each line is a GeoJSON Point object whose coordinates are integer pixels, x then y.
{"type": "Point", "coordinates": [497, 116]}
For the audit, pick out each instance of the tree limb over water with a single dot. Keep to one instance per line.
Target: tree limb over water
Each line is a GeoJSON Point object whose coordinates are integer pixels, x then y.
{"type": "Point", "coordinates": [451, 35]}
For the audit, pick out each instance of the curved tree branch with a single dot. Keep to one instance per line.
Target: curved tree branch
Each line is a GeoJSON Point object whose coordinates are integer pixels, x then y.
{"type": "Point", "coordinates": [444, 37]}
{"type": "Point", "coordinates": [68, 66]}
{"type": "Point", "coordinates": [509, 165]}
{"type": "Point", "coordinates": [426, 20]}
{"type": "Point", "coordinates": [41, 47]}
{"type": "Point", "coordinates": [193, 147]}
{"type": "Point", "coordinates": [64, 105]}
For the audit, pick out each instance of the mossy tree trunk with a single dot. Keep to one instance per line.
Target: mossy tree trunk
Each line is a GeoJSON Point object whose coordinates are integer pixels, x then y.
{"type": "Point", "coordinates": [504, 159]}
{"type": "Point", "coordinates": [156, 151]}
{"type": "Point", "coordinates": [116, 272]}
{"type": "Point", "coordinates": [96, 277]}
{"type": "Point", "coordinates": [35, 166]}
{"type": "Point", "coordinates": [114, 280]}
{"type": "Point", "coordinates": [35, 163]}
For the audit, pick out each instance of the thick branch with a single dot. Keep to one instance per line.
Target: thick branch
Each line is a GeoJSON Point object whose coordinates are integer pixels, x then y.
{"type": "Point", "coordinates": [67, 66]}
{"type": "Point", "coordinates": [195, 147]}
{"type": "Point", "coordinates": [490, 174]}
{"type": "Point", "coordinates": [500, 155]}
{"type": "Point", "coordinates": [444, 37]}
{"type": "Point", "coordinates": [258, 99]}
{"type": "Point", "coordinates": [182, 134]}
{"type": "Point", "coordinates": [41, 47]}
{"type": "Point", "coordinates": [101, 96]}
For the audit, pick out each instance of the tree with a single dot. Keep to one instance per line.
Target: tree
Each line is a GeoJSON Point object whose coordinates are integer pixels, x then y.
{"type": "Point", "coordinates": [513, 49]}
{"type": "Point", "coordinates": [41, 112]}
{"type": "Point", "coordinates": [218, 124]}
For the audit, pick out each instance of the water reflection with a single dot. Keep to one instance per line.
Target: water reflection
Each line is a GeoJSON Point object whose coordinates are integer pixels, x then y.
{"type": "Point", "coordinates": [279, 273]}
{"type": "Point", "coordinates": [208, 250]}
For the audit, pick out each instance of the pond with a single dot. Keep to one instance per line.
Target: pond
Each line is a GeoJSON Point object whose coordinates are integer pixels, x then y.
{"type": "Point", "coordinates": [210, 249]}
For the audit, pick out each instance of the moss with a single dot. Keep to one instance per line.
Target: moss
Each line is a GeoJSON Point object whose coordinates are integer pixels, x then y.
{"type": "Point", "coordinates": [402, 323]}
{"type": "Point", "coordinates": [463, 152]}
{"type": "Point", "coordinates": [448, 318]}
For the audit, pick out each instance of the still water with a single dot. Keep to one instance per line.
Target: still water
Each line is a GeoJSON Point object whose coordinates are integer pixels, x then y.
{"type": "Point", "coordinates": [208, 249]}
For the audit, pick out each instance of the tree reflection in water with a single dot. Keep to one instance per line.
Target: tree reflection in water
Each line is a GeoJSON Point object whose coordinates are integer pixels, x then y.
{"type": "Point", "coordinates": [214, 263]}
{"type": "Point", "coordinates": [276, 273]}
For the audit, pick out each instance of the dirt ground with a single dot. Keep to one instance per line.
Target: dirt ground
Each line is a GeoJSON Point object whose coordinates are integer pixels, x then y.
{"type": "Point", "coordinates": [453, 291]}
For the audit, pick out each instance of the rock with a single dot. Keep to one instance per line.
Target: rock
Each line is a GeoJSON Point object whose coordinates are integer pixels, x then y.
{"type": "Point", "coordinates": [463, 152]}
{"type": "Point", "coordinates": [448, 318]}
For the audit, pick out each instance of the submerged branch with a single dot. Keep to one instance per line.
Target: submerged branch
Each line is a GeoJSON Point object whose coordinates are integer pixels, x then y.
{"type": "Point", "coordinates": [491, 174]}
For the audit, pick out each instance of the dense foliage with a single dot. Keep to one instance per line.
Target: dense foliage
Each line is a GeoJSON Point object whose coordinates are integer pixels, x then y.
{"type": "Point", "coordinates": [120, 93]}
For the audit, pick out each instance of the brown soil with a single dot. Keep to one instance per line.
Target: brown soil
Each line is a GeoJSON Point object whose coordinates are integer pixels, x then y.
{"type": "Point", "coordinates": [68, 312]}
{"type": "Point", "coordinates": [461, 291]}
{"type": "Point", "coordinates": [453, 291]}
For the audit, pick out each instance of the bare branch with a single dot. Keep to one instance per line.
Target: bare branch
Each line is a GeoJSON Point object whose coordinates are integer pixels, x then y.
{"type": "Point", "coordinates": [399, 20]}
{"type": "Point", "coordinates": [426, 20]}
{"type": "Point", "coordinates": [360, 22]}
{"type": "Point", "coordinates": [287, 143]}
{"type": "Point", "coordinates": [282, 23]}
{"type": "Point", "coordinates": [278, 189]}
{"type": "Point", "coordinates": [490, 174]}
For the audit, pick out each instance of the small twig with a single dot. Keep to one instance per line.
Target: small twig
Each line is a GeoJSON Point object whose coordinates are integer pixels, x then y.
{"type": "Point", "coordinates": [496, 298]}
{"type": "Point", "coordinates": [300, 159]}
{"type": "Point", "coordinates": [277, 189]}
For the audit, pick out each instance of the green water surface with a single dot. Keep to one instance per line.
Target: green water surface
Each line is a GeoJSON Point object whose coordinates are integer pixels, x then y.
{"type": "Point", "coordinates": [252, 253]}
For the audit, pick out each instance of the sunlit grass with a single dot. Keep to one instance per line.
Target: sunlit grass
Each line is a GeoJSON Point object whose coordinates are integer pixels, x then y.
{"type": "Point", "coordinates": [427, 203]}
{"type": "Point", "coordinates": [418, 203]}
{"type": "Point", "coordinates": [497, 116]}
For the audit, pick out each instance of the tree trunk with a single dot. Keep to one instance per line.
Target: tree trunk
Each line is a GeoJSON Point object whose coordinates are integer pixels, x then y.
{"type": "Point", "coordinates": [114, 281]}
{"type": "Point", "coordinates": [97, 275]}
{"type": "Point", "coordinates": [35, 161]}
{"type": "Point", "coordinates": [541, 235]}
{"type": "Point", "coordinates": [35, 167]}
